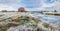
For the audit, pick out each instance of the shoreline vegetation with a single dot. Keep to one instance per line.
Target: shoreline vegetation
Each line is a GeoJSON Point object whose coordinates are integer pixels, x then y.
{"type": "Point", "coordinates": [52, 13]}
{"type": "Point", "coordinates": [22, 17]}
{"type": "Point", "coordinates": [16, 15]}
{"type": "Point", "coordinates": [16, 23]}
{"type": "Point", "coordinates": [47, 13]}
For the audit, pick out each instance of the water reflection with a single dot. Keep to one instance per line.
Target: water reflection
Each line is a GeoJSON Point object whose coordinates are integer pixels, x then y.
{"type": "Point", "coordinates": [51, 19]}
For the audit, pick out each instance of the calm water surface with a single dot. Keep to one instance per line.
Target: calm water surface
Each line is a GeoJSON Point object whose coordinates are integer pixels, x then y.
{"type": "Point", "coordinates": [51, 19]}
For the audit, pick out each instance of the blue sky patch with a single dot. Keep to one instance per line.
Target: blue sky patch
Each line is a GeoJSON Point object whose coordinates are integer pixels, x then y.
{"type": "Point", "coordinates": [31, 3]}
{"type": "Point", "coordinates": [49, 1]}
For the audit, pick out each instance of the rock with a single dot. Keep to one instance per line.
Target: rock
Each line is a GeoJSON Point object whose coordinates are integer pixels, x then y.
{"type": "Point", "coordinates": [16, 20]}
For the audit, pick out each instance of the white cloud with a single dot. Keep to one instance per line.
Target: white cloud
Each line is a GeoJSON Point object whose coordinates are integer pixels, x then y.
{"type": "Point", "coordinates": [6, 7]}
{"type": "Point", "coordinates": [15, 4]}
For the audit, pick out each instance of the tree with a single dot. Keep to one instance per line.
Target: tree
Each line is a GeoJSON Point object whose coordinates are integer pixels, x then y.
{"type": "Point", "coordinates": [21, 9]}
{"type": "Point", "coordinates": [4, 10]}
{"type": "Point", "coordinates": [55, 11]}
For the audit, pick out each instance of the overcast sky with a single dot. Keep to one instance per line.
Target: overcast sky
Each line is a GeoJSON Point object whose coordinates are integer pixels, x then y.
{"type": "Point", "coordinates": [30, 5]}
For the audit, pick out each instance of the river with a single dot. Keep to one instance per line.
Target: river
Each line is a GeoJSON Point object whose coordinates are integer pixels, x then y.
{"type": "Point", "coordinates": [52, 19]}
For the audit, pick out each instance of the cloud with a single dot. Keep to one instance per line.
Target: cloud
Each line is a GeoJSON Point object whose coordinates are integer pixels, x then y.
{"type": "Point", "coordinates": [9, 7]}
{"type": "Point", "coordinates": [10, 4]}
{"type": "Point", "coordinates": [45, 6]}
{"type": "Point", "coordinates": [30, 5]}
{"type": "Point", "coordinates": [6, 7]}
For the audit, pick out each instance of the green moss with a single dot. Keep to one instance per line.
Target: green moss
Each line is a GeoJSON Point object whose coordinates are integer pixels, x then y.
{"type": "Point", "coordinates": [20, 16]}
{"type": "Point", "coordinates": [4, 28]}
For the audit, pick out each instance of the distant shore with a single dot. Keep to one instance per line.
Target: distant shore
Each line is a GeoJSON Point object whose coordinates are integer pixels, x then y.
{"type": "Point", "coordinates": [52, 13]}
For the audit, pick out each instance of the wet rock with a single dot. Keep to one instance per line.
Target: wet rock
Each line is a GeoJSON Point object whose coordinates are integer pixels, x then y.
{"type": "Point", "coordinates": [16, 20]}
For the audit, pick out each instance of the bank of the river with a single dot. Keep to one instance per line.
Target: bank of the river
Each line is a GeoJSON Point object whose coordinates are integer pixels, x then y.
{"type": "Point", "coordinates": [49, 18]}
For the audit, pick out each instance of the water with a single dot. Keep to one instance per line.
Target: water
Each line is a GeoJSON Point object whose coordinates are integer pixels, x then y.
{"type": "Point", "coordinates": [51, 19]}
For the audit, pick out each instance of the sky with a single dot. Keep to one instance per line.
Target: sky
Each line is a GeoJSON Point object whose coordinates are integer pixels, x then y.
{"type": "Point", "coordinates": [30, 5]}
